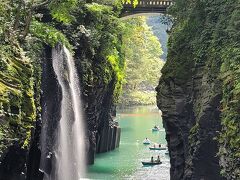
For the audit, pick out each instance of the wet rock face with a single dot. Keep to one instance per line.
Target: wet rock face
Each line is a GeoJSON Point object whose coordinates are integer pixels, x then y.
{"type": "Point", "coordinates": [43, 139]}
{"type": "Point", "coordinates": [97, 95]}
{"type": "Point", "coordinates": [191, 119]}
{"type": "Point", "coordinates": [103, 134]}
{"type": "Point", "coordinates": [13, 164]}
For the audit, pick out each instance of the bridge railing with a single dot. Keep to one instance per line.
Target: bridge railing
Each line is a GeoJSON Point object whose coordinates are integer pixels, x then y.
{"type": "Point", "coordinates": [149, 3]}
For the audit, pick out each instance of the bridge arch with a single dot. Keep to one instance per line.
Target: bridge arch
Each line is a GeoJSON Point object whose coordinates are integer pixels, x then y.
{"type": "Point", "coordinates": [146, 7]}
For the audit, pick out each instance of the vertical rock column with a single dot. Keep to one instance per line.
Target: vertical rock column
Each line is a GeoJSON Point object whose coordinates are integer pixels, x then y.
{"type": "Point", "coordinates": [191, 119]}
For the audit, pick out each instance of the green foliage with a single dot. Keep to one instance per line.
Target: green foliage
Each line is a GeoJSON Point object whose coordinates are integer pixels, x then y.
{"type": "Point", "coordinates": [17, 18]}
{"type": "Point", "coordinates": [61, 10]}
{"type": "Point", "coordinates": [99, 10]}
{"type": "Point", "coordinates": [24, 27]}
{"type": "Point", "coordinates": [230, 135]}
{"type": "Point", "coordinates": [19, 80]}
{"type": "Point", "coordinates": [137, 97]}
{"type": "Point", "coordinates": [17, 107]}
{"type": "Point", "coordinates": [206, 35]}
{"type": "Point", "coordinates": [7, 31]}
{"type": "Point", "coordinates": [105, 35]}
{"type": "Point", "coordinates": [143, 63]}
{"type": "Point", "coordinates": [48, 34]}
{"type": "Point", "coordinates": [187, 38]}
{"type": "Point", "coordinates": [118, 69]}
{"type": "Point", "coordinates": [194, 139]}
{"type": "Point", "coordinates": [133, 2]}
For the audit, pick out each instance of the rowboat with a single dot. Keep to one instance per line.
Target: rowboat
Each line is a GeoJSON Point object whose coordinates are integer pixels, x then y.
{"type": "Point", "coordinates": [158, 148]}
{"type": "Point", "coordinates": [151, 163]}
{"type": "Point", "coordinates": [156, 128]}
{"type": "Point", "coordinates": [146, 142]}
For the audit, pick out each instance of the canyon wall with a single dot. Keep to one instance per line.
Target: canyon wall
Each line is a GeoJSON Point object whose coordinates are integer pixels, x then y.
{"type": "Point", "coordinates": [17, 111]}
{"type": "Point", "coordinates": [30, 95]}
{"type": "Point", "coordinates": [197, 92]}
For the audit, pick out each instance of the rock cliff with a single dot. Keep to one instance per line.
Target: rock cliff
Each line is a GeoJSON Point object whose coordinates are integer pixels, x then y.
{"type": "Point", "coordinates": [192, 90]}
{"type": "Point", "coordinates": [191, 119]}
{"type": "Point", "coordinates": [17, 110]}
{"type": "Point", "coordinates": [30, 95]}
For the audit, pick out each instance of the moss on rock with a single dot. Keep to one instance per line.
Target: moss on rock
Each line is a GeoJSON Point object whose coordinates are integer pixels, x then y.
{"type": "Point", "coordinates": [17, 107]}
{"type": "Point", "coordinates": [204, 53]}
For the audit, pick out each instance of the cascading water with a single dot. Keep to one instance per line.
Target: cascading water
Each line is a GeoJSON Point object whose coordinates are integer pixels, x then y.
{"type": "Point", "coordinates": [68, 154]}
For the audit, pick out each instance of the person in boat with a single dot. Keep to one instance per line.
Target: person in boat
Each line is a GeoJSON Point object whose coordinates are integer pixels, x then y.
{"type": "Point", "coordinates": [158, 159]}
{"type": "Point", "coordinates": [152, 159]}
{"type": "Point", "coordinates": [155, 127]}
{"type": "Point", "coordinates": [147, 140]}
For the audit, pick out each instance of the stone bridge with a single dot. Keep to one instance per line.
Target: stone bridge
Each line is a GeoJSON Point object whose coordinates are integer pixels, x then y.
{"type": "Point", "coordinates": [146, 6]}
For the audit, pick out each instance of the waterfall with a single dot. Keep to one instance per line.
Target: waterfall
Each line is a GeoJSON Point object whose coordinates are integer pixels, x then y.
{"type": "Point", "coordinates": [68, 161]}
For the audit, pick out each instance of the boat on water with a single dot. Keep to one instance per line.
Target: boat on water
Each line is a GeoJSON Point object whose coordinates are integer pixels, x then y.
{"type": "Point", "coordinates": [155, 128]}
{"type": "Point", "coordinates": [146, 141]}
{"type": "Point", "coordinates": [151, 163]}
{"type": "Point", "coordinates": [158, 148]}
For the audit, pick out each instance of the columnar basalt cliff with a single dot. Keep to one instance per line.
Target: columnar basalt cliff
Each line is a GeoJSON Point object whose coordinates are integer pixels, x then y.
{"type": "Point", "coordinates": [30, 95]}
{"type": "Point", "coordinates": [193, 91]}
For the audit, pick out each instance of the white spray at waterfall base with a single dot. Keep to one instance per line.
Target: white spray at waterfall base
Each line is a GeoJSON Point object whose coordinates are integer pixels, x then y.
{"type": "Point", "coordinates": [70, 162]}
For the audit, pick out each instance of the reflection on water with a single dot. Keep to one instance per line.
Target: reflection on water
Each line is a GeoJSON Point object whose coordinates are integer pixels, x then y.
{"type": "Point", "coordinates": [125, 162]}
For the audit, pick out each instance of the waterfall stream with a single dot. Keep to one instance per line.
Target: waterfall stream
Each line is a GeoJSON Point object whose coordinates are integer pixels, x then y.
{"type": "Point", "coordinates": [68, 156]}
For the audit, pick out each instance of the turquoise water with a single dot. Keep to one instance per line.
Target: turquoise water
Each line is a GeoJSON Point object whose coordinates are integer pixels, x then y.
{"type": "Point", "coordinates": [125, 162]}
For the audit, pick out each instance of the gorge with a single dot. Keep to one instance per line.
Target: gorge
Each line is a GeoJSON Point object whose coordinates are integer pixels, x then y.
{"type": "Point", "coordinates": [41, 86]}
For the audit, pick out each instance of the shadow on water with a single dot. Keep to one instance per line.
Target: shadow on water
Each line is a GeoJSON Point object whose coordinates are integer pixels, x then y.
{"type": "Point", "coordinates": [127, 129]}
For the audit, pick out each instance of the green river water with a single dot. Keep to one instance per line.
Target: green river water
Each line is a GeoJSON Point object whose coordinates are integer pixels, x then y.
{"type": "Point", "coordinates": [125, 162]}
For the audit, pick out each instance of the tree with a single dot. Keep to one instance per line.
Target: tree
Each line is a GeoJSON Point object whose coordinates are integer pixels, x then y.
{"type": "Point", "coordinates": [143, 63]}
